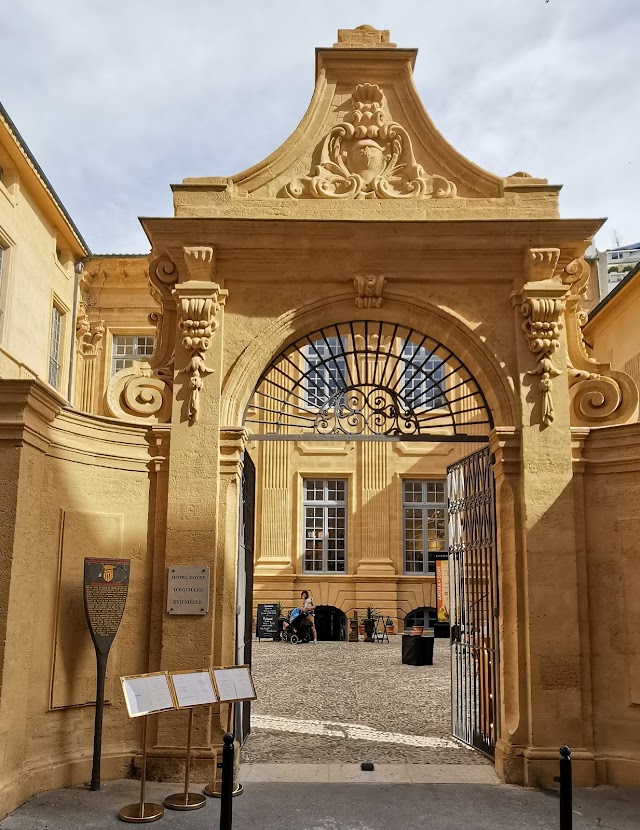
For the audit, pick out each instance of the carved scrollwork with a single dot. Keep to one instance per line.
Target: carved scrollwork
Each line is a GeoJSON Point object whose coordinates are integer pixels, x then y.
{"type": "Point", "coordinates": [134, 394]}
{"type": "Point", "coordinates": [599, 394]}
{"type": "Point", "coordinates": [367, 157]}
{"type": "Point", "coordinates": [542, 326]}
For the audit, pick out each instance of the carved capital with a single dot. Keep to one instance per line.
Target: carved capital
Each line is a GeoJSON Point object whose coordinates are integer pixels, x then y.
{"type": "Point", "coordinates": [368, 156]}
{"type": "Point", "coordinates": [542, 325]}
{"type": "Point", "coordinates": [199, 306]}
{"type": "Point", "coordinates": [232, 445]}
{"type": "Point", "coordinates": [200, 262]}
{"type": "Point", "coordinates": [505, 447]}
{"type": "Point", "coordinates": [540, 263]}
{"type": "Point", "coordinates": [369, 290]}
{"type": "Point", "coordinates": [89, 334]}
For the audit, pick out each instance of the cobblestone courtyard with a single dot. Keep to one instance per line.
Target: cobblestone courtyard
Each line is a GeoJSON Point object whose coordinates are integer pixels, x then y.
{"type": "Point", "coordinates": [351, 702]}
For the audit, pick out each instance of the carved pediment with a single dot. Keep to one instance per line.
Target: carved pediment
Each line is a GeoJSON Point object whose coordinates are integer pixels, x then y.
{"type": "Point", "coordinates": [366, 139]}
{"type": "Point", "coordinates": [368, 156]}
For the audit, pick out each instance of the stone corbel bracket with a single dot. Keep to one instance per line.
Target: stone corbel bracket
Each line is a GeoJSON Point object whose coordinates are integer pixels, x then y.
{"type": "Point", "coordinates": [142, 393]}
{"type": "Point", "coordinates": [542, 326]}
{"type": "Point", "coordinates": [599, 394]}
{"type": "Point", "coordinates": [369, 290]}
{"type": "Point", "coordinates": [200, 301]}
{"type": "Point", "coordinates": [541, 303]}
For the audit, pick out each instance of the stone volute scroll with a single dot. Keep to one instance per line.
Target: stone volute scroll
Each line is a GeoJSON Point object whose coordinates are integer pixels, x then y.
{"type": "Point", "coordinates": [200, 301]}
{"type": "Point", "coordinates": [142, 393]}
{"type": "Point", "coordinates": [368, 156]}
{"type": "Point", "coordinates": [599, 394]}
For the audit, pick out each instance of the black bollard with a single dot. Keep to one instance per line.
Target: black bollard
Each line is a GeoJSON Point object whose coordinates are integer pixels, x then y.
{"type": "Point", "coordinates": [566, 792]}
{"type": "Point", "coordinates": [226, 787]}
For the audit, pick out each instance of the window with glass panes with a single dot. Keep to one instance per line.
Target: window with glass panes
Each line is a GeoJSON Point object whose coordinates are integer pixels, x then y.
{"type": "Point", "coordinates": [326, 370]}
{"type": "Point", "coordinates": [325, 525]}
{"type": "Point", "coordinates": [54, 346]}
{"type": "Point", "coordinates": [423, 378]}
{"type": "Point", "coordinates": [424, 510]}
{"type": "Point", "coordinates": [127, 348]}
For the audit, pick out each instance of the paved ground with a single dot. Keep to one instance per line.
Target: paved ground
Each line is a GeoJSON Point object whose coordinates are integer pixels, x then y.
{"type": "Point", "coordinates": [351, 702]}
{"type": "Point", "coordinates": [342, 807]}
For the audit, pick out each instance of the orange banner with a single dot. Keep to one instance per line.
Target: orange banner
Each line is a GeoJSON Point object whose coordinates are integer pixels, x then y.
{"type": "Point", "coordinates": [442, 589]}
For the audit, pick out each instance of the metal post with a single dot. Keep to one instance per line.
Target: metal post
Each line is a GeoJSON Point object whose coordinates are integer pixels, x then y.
{"type": "Point", "coordinates": [226, 798]}
{"type": "Point", "coordinates": [101, 672]}
{"type": "Point", "coordinates": [566, 793]}
{"type": "Point", "coordinates": [145, 811]}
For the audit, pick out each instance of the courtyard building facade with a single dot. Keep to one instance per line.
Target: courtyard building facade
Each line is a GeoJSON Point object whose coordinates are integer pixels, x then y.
{"type": "Point", "coordinates": [391, 339]}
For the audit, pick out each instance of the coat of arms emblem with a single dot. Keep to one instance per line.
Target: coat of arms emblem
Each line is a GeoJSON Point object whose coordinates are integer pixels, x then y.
{"type": "Point", "coordinates": [107, 573]}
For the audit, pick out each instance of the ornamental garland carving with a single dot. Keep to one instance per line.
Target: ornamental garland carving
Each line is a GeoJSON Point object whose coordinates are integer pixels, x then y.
{"type": "Point", "coordinates": [198, 323]}
{"type": "Point", "coordinates": [542, 326]}
{"type": "Point", "coordinates": [599, 394]}
{"type": "Point", "coordinates": [368, 157]}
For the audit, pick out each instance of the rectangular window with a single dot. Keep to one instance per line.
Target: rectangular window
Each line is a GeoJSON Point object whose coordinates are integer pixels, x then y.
{"type": "Point", "coordinates": [424, 510]}
{"type": "Point", "coordinates": [128, 348]}
{"type": "Point", "coordinates": [423, 377]}
{"type": "Point", "coordinates": [54, 346]}
{"type": "Point", "coordinates": [326, 371]}
{"type": "Point", "coordinates": [616, 255]}
{"type": "Point", "coordinates": [325, 525]}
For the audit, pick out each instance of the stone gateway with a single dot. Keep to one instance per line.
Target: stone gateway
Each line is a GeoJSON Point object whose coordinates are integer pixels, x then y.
{"type": "Point", "coordinates": [356, 313]}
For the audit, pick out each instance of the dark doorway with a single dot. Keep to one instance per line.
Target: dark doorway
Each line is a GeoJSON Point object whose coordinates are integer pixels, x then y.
{"type": "Point", "coordinates": [331, 623]}
{"type": "Point", "coordinates": [425, 616]}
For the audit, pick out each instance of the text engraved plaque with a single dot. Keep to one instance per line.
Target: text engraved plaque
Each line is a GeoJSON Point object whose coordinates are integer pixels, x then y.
{"type": "Point", "coordinates": [188, 589]}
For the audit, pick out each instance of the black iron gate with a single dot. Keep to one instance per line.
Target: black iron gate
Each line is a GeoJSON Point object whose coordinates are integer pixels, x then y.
{"type": "Point", "coordinates": [474, 601]}
{"type": "Point", "coordinates": [244, 630]}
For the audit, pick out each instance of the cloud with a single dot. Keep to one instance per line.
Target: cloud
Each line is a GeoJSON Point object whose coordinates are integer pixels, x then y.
{"type": "Point", "coordinates": [119, 99]}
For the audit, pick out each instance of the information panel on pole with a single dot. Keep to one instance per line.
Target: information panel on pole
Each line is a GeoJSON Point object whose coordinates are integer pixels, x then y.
{"type": "Point", "coordinates": [193, 688]}
{"type": "Point", "coordinates": [234, 683]}
{"type": "Point", "coordinates": [147, 694]}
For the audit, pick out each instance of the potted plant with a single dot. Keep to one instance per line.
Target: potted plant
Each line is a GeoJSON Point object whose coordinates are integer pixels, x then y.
{"type": "Point", "coordinates": [389, 626]}
{"type": "Point", "coordinates": [369, 623]}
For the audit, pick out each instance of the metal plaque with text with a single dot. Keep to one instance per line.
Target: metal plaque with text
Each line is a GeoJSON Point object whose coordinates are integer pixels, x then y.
{"type": "Point", "coordinates": [188, 589]}
{"type": "Point", "coordinates": [106, 582]}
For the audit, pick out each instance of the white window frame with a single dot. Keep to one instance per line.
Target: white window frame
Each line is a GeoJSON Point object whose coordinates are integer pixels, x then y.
{"type": "Point", "coordinates": [136, 354]}
{"type": "Point", "coordinates": [323, 508]}
{"type": "Point", "coordinates": [56, 345]}
{"type": "Point", "coordinates": [431, 502]}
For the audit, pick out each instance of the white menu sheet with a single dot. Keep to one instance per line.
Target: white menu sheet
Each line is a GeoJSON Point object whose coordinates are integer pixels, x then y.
{"type": "Point", "coordinates": [193, 689]}
{"type": "Point", "coordinates": [146, 694]}
{"type": "Point", "coordinates": [234, 684]}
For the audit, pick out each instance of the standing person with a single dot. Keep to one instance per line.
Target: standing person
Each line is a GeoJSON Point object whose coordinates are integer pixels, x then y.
{"type": "Point", "coordinates": [309, 606]}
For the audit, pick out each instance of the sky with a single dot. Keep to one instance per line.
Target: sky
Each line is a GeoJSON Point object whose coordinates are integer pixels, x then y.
{"type": "Point", "coordinates": [119, 98]}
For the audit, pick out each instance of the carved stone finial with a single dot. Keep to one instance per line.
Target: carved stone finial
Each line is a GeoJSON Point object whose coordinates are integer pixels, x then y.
{"type": "Point", "coordinates": [369, 290]}
{"type": "Point", "coordinates": [368, 157]}
{"type": "Point", "coordinates": [542, 326]}
{"type": "Point", "coordinates": [364, 37]}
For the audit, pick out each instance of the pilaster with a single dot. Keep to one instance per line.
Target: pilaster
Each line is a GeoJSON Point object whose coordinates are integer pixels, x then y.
{"type": "Point", "coordinates": [274, 555]}
{"type": "Point", "coordinates": [374, 532]}
{"type": "Point", "coordinates": [552, 635]}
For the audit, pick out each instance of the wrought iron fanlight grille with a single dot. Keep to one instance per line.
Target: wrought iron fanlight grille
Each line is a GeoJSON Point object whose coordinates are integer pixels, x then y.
{"type": "Point", "coordinates": [368, 379]}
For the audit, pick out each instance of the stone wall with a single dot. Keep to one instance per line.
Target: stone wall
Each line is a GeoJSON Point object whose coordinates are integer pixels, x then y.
{"type": "Point", "coordinates": [72, 486]}
{"type": "Point", "coordinates": [610, 458]}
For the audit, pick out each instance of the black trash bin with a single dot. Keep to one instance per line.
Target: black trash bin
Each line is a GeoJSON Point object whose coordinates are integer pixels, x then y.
{"type": "Point", "coordinates": [417, 651]}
